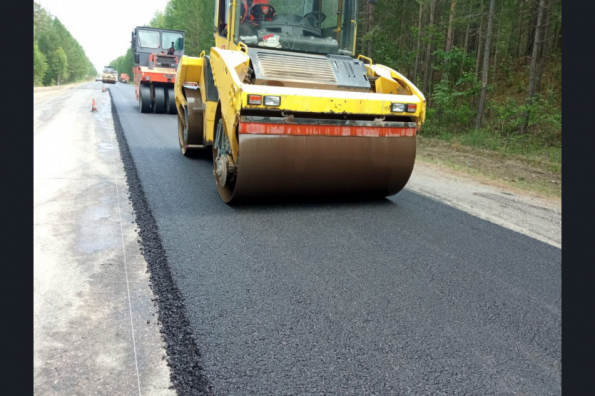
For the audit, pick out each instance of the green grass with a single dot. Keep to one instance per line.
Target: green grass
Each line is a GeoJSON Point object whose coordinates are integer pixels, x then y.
{"type": "Point", "coordinates": [528, 146]}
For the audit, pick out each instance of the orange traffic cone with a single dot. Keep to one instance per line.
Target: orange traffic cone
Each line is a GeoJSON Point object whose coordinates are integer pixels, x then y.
{"type": "Point", "coordinates": [103, 88]}
{"type": "Point", "coordinates": [94, 108]}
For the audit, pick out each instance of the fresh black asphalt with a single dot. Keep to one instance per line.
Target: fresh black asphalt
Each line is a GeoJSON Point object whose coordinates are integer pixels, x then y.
{"type": "Point", "coordinates": [403, 296]}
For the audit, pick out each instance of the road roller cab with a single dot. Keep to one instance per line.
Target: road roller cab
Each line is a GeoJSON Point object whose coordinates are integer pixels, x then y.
{"type": "Point", "coordinates": [289, 109]}
{"type": "Point", "coordinates": [156, 56]}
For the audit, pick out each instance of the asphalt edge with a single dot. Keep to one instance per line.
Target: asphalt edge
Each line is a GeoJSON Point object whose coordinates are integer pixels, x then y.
{"type": "Point", "coordinates": [183, 356]}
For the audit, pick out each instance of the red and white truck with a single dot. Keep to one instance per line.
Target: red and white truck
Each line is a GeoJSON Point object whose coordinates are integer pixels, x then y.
{"type": "Point", "coordinates": [124, 78]}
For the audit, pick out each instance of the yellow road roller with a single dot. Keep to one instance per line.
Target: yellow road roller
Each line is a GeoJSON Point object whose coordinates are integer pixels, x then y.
{"type": "Point", "coordinates": [289, 110]}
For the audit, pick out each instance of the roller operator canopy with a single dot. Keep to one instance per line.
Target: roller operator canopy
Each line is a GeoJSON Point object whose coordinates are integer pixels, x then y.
{"type": "Point", "coordinates": [160, 39]}
{"type": "Point", "coordinates": [314, 26]}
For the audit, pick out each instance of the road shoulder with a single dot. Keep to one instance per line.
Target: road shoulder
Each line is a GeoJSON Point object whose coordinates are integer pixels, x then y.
{"type": "Point", "coordinates": [531, 214]}
{"type": "Point", "coordinates": [95, 324]}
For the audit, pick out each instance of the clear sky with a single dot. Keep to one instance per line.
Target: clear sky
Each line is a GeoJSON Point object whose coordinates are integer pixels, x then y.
{"type": "Point", "coordinates": [103, 27]}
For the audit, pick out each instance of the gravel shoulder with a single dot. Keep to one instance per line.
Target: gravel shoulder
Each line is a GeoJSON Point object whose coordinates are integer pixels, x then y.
{"type": "Point", "coordinates": [521, 195]}
{"type": "Point", "coordinates": [95, 324]}
{"type": "Point", "coordinates": [524, 175]}
{"type": "Point", "coordinates": [529, 213]}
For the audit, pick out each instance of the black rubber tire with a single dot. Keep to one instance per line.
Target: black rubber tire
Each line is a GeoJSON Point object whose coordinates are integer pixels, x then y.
{"type": "Point", "coordinates": [225, 192]}
{"type": "Point", "coordinates": [144, 99]}
{"type": "Point", "coordinates": [159, 105]}
{"type": "Point", "coordinates": [170, 101]}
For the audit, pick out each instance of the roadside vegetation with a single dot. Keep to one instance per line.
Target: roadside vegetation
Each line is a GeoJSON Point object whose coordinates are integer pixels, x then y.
{"type": "Point", "coordinates": [57, 57]}
{"type": "Point", "coordinates": [491, 72]}
{"type": "Point", "coordinates": [490, 69]}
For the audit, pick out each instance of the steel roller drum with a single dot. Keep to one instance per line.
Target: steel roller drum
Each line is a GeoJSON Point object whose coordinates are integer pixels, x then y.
{"type": "Point", "coordinates": [289, 166]}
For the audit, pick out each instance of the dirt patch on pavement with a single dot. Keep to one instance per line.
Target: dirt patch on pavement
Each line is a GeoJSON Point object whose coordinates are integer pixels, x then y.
{"type": "Point", "coordinates": [512, 171]}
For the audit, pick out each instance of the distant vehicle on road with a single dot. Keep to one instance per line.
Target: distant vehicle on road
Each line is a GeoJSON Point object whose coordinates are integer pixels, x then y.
{"type": "Point", "coordinates": [124, 78]}
{"type": "Point", "coordinates": [110, 75]}
{"type": "Point", "coordinates": [155, 67]}
{"type": "Point", "coordinates": [97, 78]}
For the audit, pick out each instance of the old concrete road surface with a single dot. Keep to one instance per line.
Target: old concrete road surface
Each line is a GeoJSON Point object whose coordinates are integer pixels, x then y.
{"type": "Point", "coordinates": [95, 327]}
{"type": "Point", "coordinates": [404, 296]}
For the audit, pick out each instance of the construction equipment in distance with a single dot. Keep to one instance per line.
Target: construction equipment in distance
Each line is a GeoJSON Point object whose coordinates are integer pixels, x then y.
{"type": "Point", "coordinates": [109, 75]}
{"type": "Point", "coordinates": [156, 54]}
{"type": "Point", "coordinates": [290, 111]}
{"type": "Point", "coordinates": [124, 78]}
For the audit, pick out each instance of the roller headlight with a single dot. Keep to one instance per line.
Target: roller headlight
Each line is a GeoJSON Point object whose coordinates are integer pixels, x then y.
{"type": "Point", "coordinates": [403, 108]}
{"type": "Point", "coordinates": [272, 100]}
{"type": "Point", "coordinates": [398, 107]}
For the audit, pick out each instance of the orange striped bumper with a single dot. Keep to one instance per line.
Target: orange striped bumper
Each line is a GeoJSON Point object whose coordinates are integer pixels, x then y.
{"type": "Point", "coordinates": [319, 127]}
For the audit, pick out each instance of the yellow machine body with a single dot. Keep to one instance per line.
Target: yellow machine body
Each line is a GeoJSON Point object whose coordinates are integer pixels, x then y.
{"type": "Point", "coordinates": [315, 138]}
{"type": "Point", "coordinates": [109, 75]}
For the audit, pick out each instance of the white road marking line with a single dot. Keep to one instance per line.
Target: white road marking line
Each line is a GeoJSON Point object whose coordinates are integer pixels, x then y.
{"type": "Point", "coordinates": [115, 146]}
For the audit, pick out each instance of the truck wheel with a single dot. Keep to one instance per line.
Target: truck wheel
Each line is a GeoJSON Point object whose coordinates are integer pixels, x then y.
{"type": "Point", "coordinates": [170, 101]}
{"type": "Point", "coordinates": [159, 105]}
{"type": "Point", "coordinates": [144, 99]}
